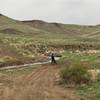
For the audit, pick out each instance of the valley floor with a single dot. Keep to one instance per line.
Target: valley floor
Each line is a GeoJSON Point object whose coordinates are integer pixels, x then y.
{"type": "Point", "coordinates": [40, 84]}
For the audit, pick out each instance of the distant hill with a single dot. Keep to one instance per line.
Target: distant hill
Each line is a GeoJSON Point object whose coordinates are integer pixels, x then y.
{"type": "Point", "coordinates": [69, 29]}
{"type": "Point", "coordinates": [34, 27]}
{"type": "Point", "coordinates": [23, 41]}
{"type": "Point", "coordinates": [11, 26]}
{"type": "Point", "coordinates": [54, 27]}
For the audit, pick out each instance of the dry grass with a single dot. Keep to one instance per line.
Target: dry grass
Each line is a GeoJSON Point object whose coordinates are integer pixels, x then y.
{"type": "Point", "coordinates": [40, 84]}
{"type": "Point", "coordinates": [94, 73]}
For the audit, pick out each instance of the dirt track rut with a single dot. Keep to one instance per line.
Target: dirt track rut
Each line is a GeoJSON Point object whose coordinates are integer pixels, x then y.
{"type": "Point", "coordinates": [41, 84]}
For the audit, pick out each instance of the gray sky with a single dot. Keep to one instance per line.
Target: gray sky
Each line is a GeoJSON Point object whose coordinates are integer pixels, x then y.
{"type": "Point", "coordinates": [64, 11]}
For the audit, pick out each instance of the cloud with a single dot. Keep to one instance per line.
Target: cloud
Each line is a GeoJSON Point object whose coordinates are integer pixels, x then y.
{"type": "Point", "coordinates": [65, 11]}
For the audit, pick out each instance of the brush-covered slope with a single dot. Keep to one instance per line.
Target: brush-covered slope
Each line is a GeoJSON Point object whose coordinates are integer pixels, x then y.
{"type": "Point", "coordinates": [10, 26]}
{"type": "Point", "coordinates": [53, 27]}
{"type": "Point", "coordinates": [25, 41]}
{"type": "Point", "coordinates": [68, 29]}
{"type": "Point", "coordinates": [34, 27]}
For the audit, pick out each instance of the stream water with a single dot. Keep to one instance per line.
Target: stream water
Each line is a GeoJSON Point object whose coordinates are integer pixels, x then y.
{"type": "Point", "coordinates": [25, 65]}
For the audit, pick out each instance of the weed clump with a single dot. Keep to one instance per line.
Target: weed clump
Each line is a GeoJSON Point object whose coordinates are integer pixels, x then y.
{"type": "Point", "coordinates": [9, 61]}
{"type": "Point", "coordinates": [76, 73]}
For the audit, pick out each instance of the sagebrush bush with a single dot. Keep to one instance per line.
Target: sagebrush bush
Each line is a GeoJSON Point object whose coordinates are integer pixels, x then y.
{"type": "Point", "coordinates": [9, 61]}
{"type": "Point", "coordinates": [76, 73]}
{"type": "Point", "coordinates": [98, 77]}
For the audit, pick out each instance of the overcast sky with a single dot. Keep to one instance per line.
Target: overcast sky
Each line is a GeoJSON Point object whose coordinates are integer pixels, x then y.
{"type": "Point", "coordinates": [64, 11]}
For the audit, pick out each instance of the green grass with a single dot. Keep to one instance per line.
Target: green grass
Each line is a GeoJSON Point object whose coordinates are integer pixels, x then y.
{"type": "Point", "coordinates": [30, 42]}
{"type": "Point", "coordinates": [91, 91]}
{"type": "Point", "coordinates": [28, 47]}
{"type": "Point", "coordinates": [25, 42]}
{"type": "Point", "coordinates": [22, 41]}
{"type": "Point", "coordinates": [92, 59]}
{"type": "Point", "coordinates": [75, 73]}
{"type": "Point", "coordinates": [81, 57]}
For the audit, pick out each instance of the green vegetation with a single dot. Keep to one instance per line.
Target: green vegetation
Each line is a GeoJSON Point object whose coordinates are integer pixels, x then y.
{"type": "Point", "coordinates": [28, 39]}
{"type": "Point", "coordinates": [76, 73]}
{"type": "Point", "coordinates": [91, 91]}
{"type": "Point", "coordinates": [89, 61]}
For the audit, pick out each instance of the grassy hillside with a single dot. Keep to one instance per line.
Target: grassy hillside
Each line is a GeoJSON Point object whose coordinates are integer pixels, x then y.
{"type": "Point", "coordinates": [26, 41]}
{"type": "Point", "coordinates": [66, 29]}
{"type": "Point", "coordinates": [32, 41]}
{"type": "Point", "coordinates": [38, 27]}
{"type": "Point", "coordinates": [10, 26]}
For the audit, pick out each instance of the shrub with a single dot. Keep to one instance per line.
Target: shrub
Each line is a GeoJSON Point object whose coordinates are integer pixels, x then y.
{"type": "Point", "coordinates": [98, 77]}
{"type": "Point", "coordinates": [9, 61]}
{"type": "Point", "coordinates": [76, 73]}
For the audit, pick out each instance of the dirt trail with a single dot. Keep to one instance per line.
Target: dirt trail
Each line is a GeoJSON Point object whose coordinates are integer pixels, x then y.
{"type": "Point", "coordinates": [41, 84]}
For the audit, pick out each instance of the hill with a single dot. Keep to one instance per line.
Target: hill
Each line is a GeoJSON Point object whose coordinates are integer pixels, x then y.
{"type": "Point", "coordinates": [66, 29]}
{"type": "Point", "coordinates": [55, 28]}
{"type": "Point", "coordinates": [11, 26]}
{"type": "Point", "coordinates": [27, 41]}
{"type": "Point", "coordinates": [38, 27]}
